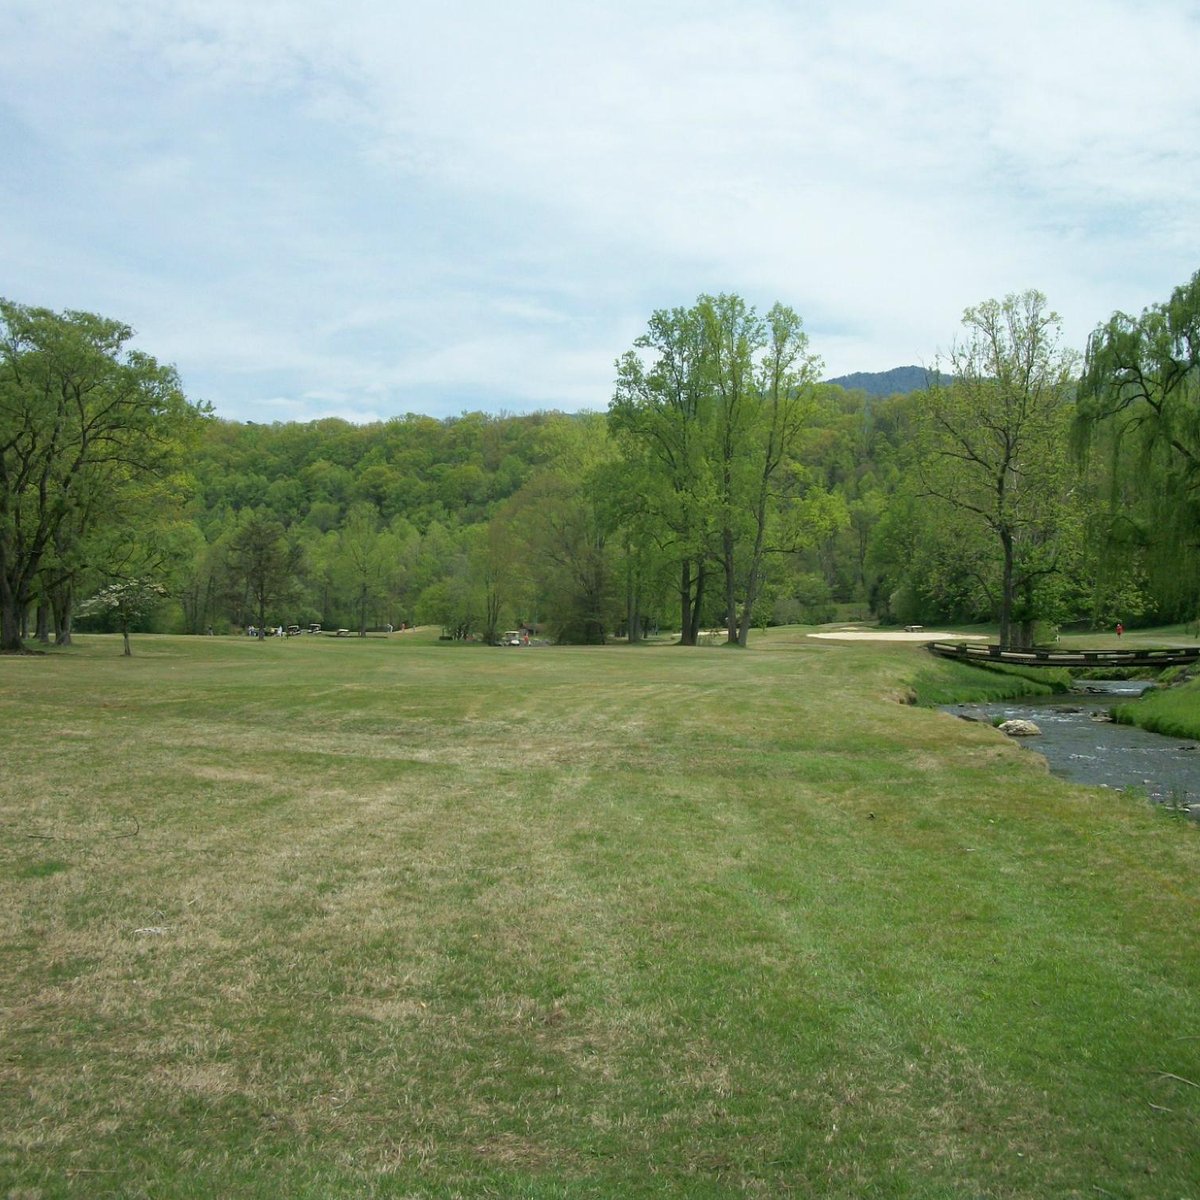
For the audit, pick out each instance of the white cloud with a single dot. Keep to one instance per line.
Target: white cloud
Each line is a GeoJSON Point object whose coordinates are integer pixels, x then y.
{"type": "Point", "coordinates": [369, 205]}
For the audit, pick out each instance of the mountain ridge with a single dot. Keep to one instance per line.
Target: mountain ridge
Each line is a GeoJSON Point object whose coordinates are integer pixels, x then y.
{"type": "Point", "coordinates": [884, 383]}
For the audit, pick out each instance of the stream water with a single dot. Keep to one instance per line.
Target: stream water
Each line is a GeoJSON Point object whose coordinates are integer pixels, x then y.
{"type": "Point", "coordinates": [1081, 748]}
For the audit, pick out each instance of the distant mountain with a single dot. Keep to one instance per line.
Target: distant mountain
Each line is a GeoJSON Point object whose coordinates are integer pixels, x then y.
{"type": "Point", "coordinates": [884, 383]}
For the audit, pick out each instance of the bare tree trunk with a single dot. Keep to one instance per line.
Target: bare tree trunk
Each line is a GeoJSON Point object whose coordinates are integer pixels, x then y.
{"type": "Point", "coordinates": [63, 604]}
{"type": "Point", "coordinates": [10, 618]}
{"type": "Point", "coordinates": [748, 608]}
{"type": "Point", "coordinates": [633, 616]}
{"type": "Point", "coordinates": [687, 632]}
{"type": "Point", "coordinates": [693, 628]}
{"type": "Point", "coordinates": [491, 613]}
{"type": "Point", "coordinates": [729, 567]}
{"type": "Point", "coordinates": [1006, 592]}
{"type": "Point", "coordinates": [43, 622]}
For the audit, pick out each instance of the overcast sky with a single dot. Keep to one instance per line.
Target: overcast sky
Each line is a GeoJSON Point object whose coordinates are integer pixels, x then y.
{"type": "Point", "coordinates": [362, 209]}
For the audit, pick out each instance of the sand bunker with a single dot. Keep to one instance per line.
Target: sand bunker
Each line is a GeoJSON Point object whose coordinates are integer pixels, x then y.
{"type": "Point", "coordinates": [898, 635]}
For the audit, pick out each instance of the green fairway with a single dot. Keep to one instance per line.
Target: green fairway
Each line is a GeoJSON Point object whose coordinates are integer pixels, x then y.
{"type": "Point", "coordinates": [325, 917]}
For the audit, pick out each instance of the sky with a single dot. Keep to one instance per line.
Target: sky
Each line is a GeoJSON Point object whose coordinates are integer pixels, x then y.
{"type": "Point", "coordinates": [366, 208]}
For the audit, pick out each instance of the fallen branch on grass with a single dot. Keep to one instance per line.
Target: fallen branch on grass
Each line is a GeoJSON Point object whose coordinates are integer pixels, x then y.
{"type": "Point", "coordinates": [111, 837]}
{"type": "Point", "coordinates": [1177, 1078]}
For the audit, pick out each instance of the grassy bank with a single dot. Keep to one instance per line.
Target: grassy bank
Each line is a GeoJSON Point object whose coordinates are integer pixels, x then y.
{"type": "Point", "coordinates": [1173, 711]}
{"type": "Point", "coordinates": [950, 682]}
{"type": "Point", "coordinates": [332, 918]}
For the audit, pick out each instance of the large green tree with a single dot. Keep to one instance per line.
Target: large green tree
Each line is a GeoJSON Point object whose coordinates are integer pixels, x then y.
{"type": "Point", "coordinates": [661, 414]}
{"type": "Point", "coordinates": [81, 416]}
{"type": "Point", "coordinates": [365, 555]}
{"type": "Point", "coordinates": [993, 447]}
{"type": "Point", "coordinates": [263, 564]}
{"type": "Point", "coordinates": [781, 510]}
{"type": "Point", "coordinates": [564, 523]}
{"type": "Point", "coordinates": [500, 568]}
{"type": "Point", "coordinates": [709, 408]}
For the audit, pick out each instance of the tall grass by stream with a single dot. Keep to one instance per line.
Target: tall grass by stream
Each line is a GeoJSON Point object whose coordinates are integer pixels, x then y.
{"type": "Point", "coordinates": [1173, 711]}
{"type": "Point", "coordinates": [324, 918]}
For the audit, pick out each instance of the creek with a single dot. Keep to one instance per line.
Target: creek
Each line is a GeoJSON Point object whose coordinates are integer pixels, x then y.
{"type": "Point", "coordinates": [1080, 746]}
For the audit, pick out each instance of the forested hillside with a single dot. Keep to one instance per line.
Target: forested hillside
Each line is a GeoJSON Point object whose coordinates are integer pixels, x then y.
{"type": "Point", "coordinates": [724, 488]}
{"type": "Point", "coordinates": [896, 382]}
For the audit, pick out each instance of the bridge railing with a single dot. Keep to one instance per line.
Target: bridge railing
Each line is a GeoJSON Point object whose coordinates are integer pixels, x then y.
{"type": "Point", "coordinates": [1148, 657]}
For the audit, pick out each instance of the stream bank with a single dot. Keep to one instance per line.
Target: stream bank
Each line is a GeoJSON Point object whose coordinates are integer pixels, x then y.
{"type": "Point", "coordinates": [1080, 743]}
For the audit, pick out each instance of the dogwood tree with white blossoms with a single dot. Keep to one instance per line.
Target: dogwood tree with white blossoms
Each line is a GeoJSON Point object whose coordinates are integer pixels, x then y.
{"type": "Point", "coordinates": [127, 600]}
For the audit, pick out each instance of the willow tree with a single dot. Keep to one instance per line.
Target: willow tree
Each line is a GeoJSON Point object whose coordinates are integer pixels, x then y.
{"type": "Point", "coordinates": [82, 416]}
{"type": "Point", "coordinates": [994, 448]}
{"type": "Point", "coordinates": [1139, 399]}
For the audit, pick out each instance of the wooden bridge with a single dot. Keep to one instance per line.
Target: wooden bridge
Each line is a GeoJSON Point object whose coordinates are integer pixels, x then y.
{"type": "Point", "coordinates": [966, 651]}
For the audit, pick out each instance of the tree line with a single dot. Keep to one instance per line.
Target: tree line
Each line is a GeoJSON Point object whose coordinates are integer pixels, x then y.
{"type": "Point", "coordinates": [725, 487]}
